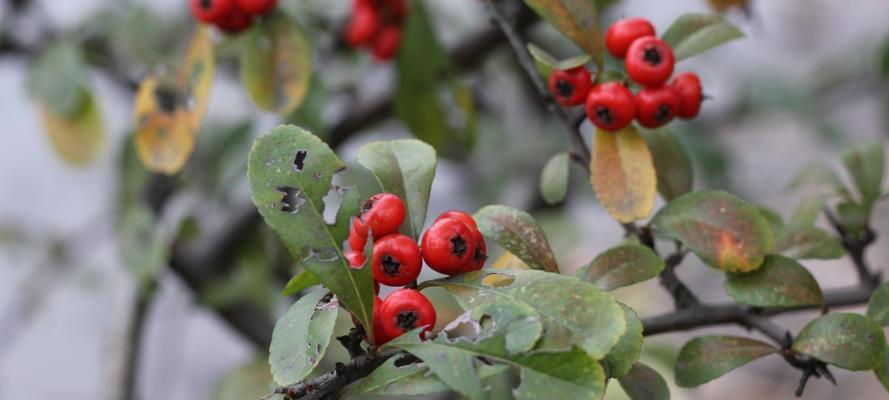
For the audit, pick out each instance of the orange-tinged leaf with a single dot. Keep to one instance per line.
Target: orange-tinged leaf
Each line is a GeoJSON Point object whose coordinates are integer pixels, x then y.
{"type": "Point", "coordinates": [276, 65]}
{"type": "Point", "coordinates": [78, 139]}
{"type": "Point", "coordinates": [623, 175]}
{"type": "Point", "coordinates": [576, 19]}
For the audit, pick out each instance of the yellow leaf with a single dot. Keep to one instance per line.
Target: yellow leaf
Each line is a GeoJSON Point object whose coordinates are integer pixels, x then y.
{"type": "Point", "coordinates": [623, 174]}
{"type": "Point", "coordinates": [508, 261]}
{"type": "Point", "coordinates": [78, 139]}
{"type": "Point", "coordinates": [276, 65]}
{"type": "Point", "coordinates": [196, 76]}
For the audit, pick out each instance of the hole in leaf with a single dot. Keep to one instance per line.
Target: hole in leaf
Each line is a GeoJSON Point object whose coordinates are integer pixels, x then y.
{"type": "Point", "coordinates": [299, 160]}
{"type": "Point", "coordinates": [333, 200]}
{"type": "Point", "coordinates": [496, 280]}
{"type": "Point", "coordinates": [463, 326]}
{"type": "Point", "coordinates": [291, 201]}
{"type": "Point", "coordinates": [405, 360]}
{"type": "Point", "coordinates": [327, 255]}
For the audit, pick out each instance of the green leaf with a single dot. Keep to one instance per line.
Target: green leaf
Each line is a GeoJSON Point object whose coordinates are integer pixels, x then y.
{"type": "Point", "coordinates": [644, 383]}
{"type": "Point", "coordinates": [775, 220]}
{"type": "Point", "coordinates": [276, 64]}
{"type": "Point", "coordinates": [866, 163]}
{"type": "Point", "coordinates": [546, 63]}
{"type": "Point", "coordinates": [723, 230]}
{"type": "Point", "coordinates": [708, 357]}
{"type": "Point", "coordinates": [576, 19]}
{"type": "Point", "coordinates": [290, 172]}
{"type": "Point", "coordinates": [809, 243]}
{"type": "Point", "coordinates": [301, 281]}
{"type": "Point", "coordinates": [675, 174]}
{"type": "Point", "coordinates": [878, 306]}
{"type": "Point", "coordinates": [410, 380]}
{"type": "Point", "coordinates": [621, 266]}
{"type": "Point", "coordinates": [849, 341]}
{"type": "Point", "coordinates": [781, 281]}
{"type": "Point", "coordinates": [853, 216]}
{"type": "Point", "coordinates": [57, 80]}
{"type": "Point", "coordinates": [518, 233]}
{"type": "Point", "coordinates": [573, 313]}
{"type": "Point", "coordinates": [77, 139]}
{"type": "Point", "coordinates": [249, 381]}
{"type": "Point", "coordinates": [692, 34]}
{"type": "Point", "coordinates": [301, 337]}
{"type": "Point", "coordinates": [807, 212]}
{"type": "Point", "coordinates": [144, 245]}
{"type": "Point", "coordinates": [405, 168]}
{"type": "Point", "coordinates": [554, 179]}
{"type": "Point", "coordinates": [626, 352]}
{"type": "Point", "coordinates": [570, 375]}
{"type": "Point", "coordinates": [882, 371]}
{"type": "Point", "coordinates": [623, 175]}
{"type": "Point", "coordinates": [818, 174]}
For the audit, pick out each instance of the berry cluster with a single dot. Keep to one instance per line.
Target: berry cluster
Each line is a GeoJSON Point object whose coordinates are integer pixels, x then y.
{"type": "Point", "coordinates": [230, 16]}
{"type": "Point", "coordinates": [649, 62]}
{"type": "Point", "coordinates": [377, 25]}
{"type": "Point", "coordinates": [452, 245]}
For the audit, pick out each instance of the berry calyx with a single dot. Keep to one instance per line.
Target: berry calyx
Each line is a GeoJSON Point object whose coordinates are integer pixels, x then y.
{"type": "Point", "coordinates": [688, 89]}
{"type": "Point", "coordinates": [386, 43]}
{"type": "Point", "coordinates": [256, 7]}
{"type": "Point", "coordinates": [481, 251]}
{"type": "Point", "coordinates": [363, 26]}
{"type": "Point", "coordinates": [610, 106]}
{"type": "Point", "coordinates": [396, 260]}
{"type": "Point", "coordinates": [623, 33]}
{"type": "Point", "coordinates": [570, 87]}
{"type": "Point", "coordinates": [459, 216]}
{"type": "Point", "coordinates": [211, 11]}
{"type": "Point", "coordinates": [656, 106]}
{"type": "Point", "coordinates": [383, 214]}
{"type": "Point", "coordinates": [649, 61]}
{"type": "Point", "coordinates": [405, 310]}
{"type": "Point", "coordinates": [448, 246]}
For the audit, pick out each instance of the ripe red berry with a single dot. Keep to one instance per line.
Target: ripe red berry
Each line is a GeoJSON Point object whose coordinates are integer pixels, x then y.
{"type": "Point", "coordinates": [448, 246]}
{"type": "Point", "coordinates": [363, 26]}
{"type": "Point", "coordinates": [357, 235]}
{"type": "Point", "coordinates": [383, 214]}
{"type": "Point", "coordinates": [210, 11]}
{"type": "Point", "coordinates": [356, 259]}
{"type": "Point", "coordinates": [649, 61]}
{"type": "Point", "coordinates": [570, 87]}
{"type": "Point", "coordinates": [396, 260]}
{"type": "Point", "coordinates": [459, 216]}
{"type": "Point", "coordinates": [385, 44]}
{"type": "Point", "coordinates": [656, 106]}
{"type": "Point", "coordinates": [235, 21]}
{"type": "Point", "coordinates": [404, 310]}
{"type": "Point", "coordinates": [380, 337]}
{"type": "Point", "coordinates": [610, 106]}
{"type": "Point", "coordinates": [481, 251]}
{"type": "Point", "coordinates": [622, 33]}
{"type": "Point", "coordinates": [376, 287]}
{"type": "Point", "coordinates": [688, 90]}
{"type": "Point", "coordinates": [257, 7]}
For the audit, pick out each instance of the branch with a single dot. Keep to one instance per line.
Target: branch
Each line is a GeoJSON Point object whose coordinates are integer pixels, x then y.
{"type": "Point", "coordinates": [135, 332]}
{"type": "Point", "coordinates": [331, 382]}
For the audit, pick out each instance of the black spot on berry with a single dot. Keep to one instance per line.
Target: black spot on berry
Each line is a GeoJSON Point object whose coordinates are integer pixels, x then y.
{"type": "Point", "coordinates": [604, 115]}
{"type": "Point", "coordinates": [299, 160]}
{"type": "Point", "coordinates": [652, 56]}
{"type": "Point", "coordinates": [206, 4]}
{"type": "Point", "coordinates": [406, 320]}
{"type": "Point", "coordinates": [458, 246]}
{"type": "Point", "coordinates": [391, 266]}
{"type": "Point", "coordinates": [564, 89]}
{"type": "Point", "coordinates": [663, 113]}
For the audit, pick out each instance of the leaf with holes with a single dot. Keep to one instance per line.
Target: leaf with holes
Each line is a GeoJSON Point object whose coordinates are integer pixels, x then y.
{"type": "Point", "coordinates": [276, 64]}
{"type": "Point", "coordinates": [623, 175]}
{"type": "Point", "coordinates": [692, 34]}
{"type": "Point", "coordinates": [626, 352]}
{"type": "Point", "coordinates": [866, 163]}
{"type": "Point", "coordinates": [644, 383]}
{"type": "Point", "coordinates": [301, 281]}
{"type": "Point", "coordinates": [576, 19]}
{"type": "Point", "coordinates": [878, 306]}
{"type": "Point", "coordinates": [675, 175]}
{"type": "Point", "coordinates": [574, 313]}
{"type": "Point", "coordinates": [723, 230]}
{"type": "Point", "coordinates": [405, 168]}
{"type": "Point", "coordinates": [571, 374]}
{"type": "Point", "coordinates": [780, 281]}
{"type": "Point", "coordinates": [621, 266]}
{"type": "Point", "coordinates": [708, 357]}
{"type": "Point", "coordinates": [410, 380]}
{"type": "Point", "coordinates": [554, 179]}
{"type": "Point", "coordinates": [301, 337]}
{"type": "Point", "coordinates": [849, 341]}
{"type": "Point", "coordinates": [546, 63]}
{"type": "Point", "coordinates": [518, 233]}
{"type": "Point", "coordinates": [290, 172]}
{"type": "Point", "coordinates": [809, 243]}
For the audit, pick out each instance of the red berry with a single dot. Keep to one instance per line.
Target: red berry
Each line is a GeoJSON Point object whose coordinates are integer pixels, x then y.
{"type": "Point", "coordinates": [448, 246]}
{"type": "Point", "coordinates": [385, 45]}
{"type": "Point", "coordinates": [236, 21]}
{"type": "Point", "coordinates": [459, 216]}
{"type": "Point", "coordinates": [404, 310]}
{"type": "Point", "coordinates": [380, 337]}
{"type": "Point", "coordinates": [383, 214]}
{"type": "Point", "coordinates": [396, 260]}
{"type": "Point", "coordinates": [356, 259]}
{"type": "Point", "coordinates": [376, 287]}
{"type": "Point", "coordinates": [649, 61]}
{"type": "Point", "coordinates": [210, 11]}
{"type": "Point", "coordinates": [656, 106]}
{"type": "Point", "coordinates": [363, 26]}
{"type": "Point", "coordinates": [570, 87]}
{"type": "Point", "coordinates": [688, 89]}
{"type": "Point", "coordinates": [610, 106]}
{"type": "Point", "coordinates": [257, 7]}
{"type": "Point", "coordinates": [481, 251]}
{"type": "Point", "coordinates": [622, 33]}
{"type": "Point", "coordinates": [357, 235]}
{"type": "Point", "coordinates": [396, 8]}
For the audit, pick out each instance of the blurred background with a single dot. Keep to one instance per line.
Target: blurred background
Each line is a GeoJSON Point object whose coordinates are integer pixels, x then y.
{"type": "Point", "coordinates": [810, 78]}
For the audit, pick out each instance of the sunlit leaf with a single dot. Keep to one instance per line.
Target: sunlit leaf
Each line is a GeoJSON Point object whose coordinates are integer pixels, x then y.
{"type": "Point", "coordinates": [621, 266]}
{"type": "Point", "coordinates": [576, 19]}
{"type": "Point", "coordinates": [554, 179]}
{"type": "Point", "coordinates": [709, 357]}
{"type": "Point", "coordinates": [301, 337]}
{"type": "Point", "coordinates": [623, 174]}
{"type": "Point", "coordinates": [780, 281]}
{"type": "Point", "coordinates": [517, 232]}
{"type": "Point", "coordinates": [276, 64]}
{"type": "Point", "coordinates": [849, 341]}
{"type": "Point", "coordinates": [644, 383]}
{"type": "Point", "coordinates": [692, 34]}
